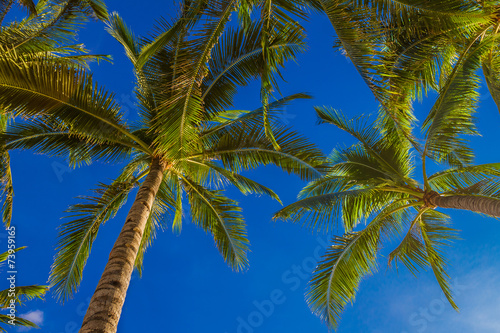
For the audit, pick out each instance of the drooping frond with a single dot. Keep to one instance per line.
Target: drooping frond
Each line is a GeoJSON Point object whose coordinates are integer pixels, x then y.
{"type": "Point", "coordinates": [7, 188]}
{"type": "Point", "coordinates": [55, 25]}
{"type": "Point", "coordinates": [336, 279]}
{"type": "Point", "coordinates": [18, 321]}
{"type": "Point", "coordinates": [357, 38]}
{"type": "Point", "coordinates": [221, 217]}
{"type": "Point", "coordinates": [436, 235]}
{"type": "Point", "coordinates": [18, 295]}
{"type": "Point", "coordinates": [22, 294]}
{"type": "Point", "coordinates": [117, 28]}
{"type": "Point", "coordinates": [230, 119]}
{"type": "Point", "coordinates": [469, 177]}
{"type": "Point", "coordinates": [98, 8]}
{"type": "Point", "coordinates": [29, 5]}
{"type": "Point", "coordinates": [76, 237]}
{"type": "Point", "coordinates": [323, 212]}
{"type": "Point", "coordinates": [5, 255]}
{"type": "Point", "coordinates": [491, 72]}
{"type": "Point", "coordinates": [452, 115]}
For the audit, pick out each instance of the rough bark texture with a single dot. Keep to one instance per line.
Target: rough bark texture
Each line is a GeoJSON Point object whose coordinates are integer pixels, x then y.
{"type": "Point", "coordinates": [483, 205]}
{"type": "Point", "coordinates": [106, 304]}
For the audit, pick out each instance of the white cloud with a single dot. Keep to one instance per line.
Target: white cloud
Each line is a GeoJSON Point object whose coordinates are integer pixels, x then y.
{"type": "Point", "coordinates": [35, 317]}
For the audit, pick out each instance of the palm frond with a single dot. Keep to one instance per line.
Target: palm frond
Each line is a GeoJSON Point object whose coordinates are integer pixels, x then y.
{"type": "Point", "coordinates": [182, 113]}
{"type": "Point", "coordinates": [411, 251]}
{"type": "Point", "coordinates": [22, 294]}
{"type": "Point", "coordinates": [117, 28]}
{"type": "Point", "coordinates": [98, 8]}
{"type": "Point", "coordinates": [238, 58]}
{"type": "Point", "coordinates": [323, 212]}
{"type": "Point", "coordinates": [491, 72]}
{"type": "Point", "coordinates": [18, 321]}
{"type": "Point", "coordinates": [274, 19]}
{"type": "Point", "coordinates": [7, 188]}
{"type": "Point", "coordinates": [29, 5]}
{"type": "Point", "coordinates": [190, 14]}
{"type": "Point", "coordinates": [436, 235]}
{"type": "Point", "coordinates": [452, 114]}
{"type": "Point", "coordinates": [243, 184]}
{"type": "Point", "coordinates": [220, 216]}
{"type": "Point", "coordinates": [474, 177]}
{"type": "Point", "coordinates": [5, 255]}
{"type": "Point", "coordinates": [246, 147]}
{"type": "Point", "coordinates": [390, 156]}
{"type": "Point", "coordinates": [45, 137]}
{"type": "Point", "coordinates": [230, 119]}
{"type": "Point", "coordinates": [336, 279]}
{"type": "Point", "coordinates": [76, 237]}
{"type": "Point", "coordinates": [56, 24]}
{"type": "Point", "coordinates": [67, 94]}
{"type": "Point", "coordinates": [358, 39]}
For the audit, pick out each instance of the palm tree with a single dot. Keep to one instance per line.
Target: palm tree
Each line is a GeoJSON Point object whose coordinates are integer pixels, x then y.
{"type": "Point", "coordinates": [373, 181]}
{"type": "Point", "coordinates": [188, 145]}
{"type": "Point", "coordinates": [17, 296]}
{"type": "Point", "coordinates": [48, 34]}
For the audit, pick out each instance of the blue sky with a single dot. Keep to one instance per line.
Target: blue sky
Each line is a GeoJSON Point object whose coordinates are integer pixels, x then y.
{"type": "Point", "coordinates": [186, 287]}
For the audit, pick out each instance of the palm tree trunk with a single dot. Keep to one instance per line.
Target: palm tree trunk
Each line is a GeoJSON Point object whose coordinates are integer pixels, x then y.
{"type": "Point", "coordinates": [483, 205]}
{"type": "Point", "coordinates": [106, 304]}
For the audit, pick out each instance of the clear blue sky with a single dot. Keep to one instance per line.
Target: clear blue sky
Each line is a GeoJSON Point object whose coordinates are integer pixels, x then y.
{"type": "Point", "coordinates": [186, 287]}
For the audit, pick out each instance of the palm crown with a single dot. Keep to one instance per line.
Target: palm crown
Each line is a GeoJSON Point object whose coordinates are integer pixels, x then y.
{"type": "Point", "coordinates": [373, 181]}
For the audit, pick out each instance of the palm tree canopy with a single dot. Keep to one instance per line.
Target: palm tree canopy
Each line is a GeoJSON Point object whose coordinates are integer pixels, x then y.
{"type": "Point", "coordinates": [373, 183]}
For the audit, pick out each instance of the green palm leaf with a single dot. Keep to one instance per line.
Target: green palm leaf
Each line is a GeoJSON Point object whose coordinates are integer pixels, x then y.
{"type": "Point", "coordinates": [183, 112]}
{"type": "Point", "coordinates": [452, 114]}
{"type": "Point", "coordinates": [76, 237]}
{"type": "Point", "coordinates": [247, 147]}
{"type": "Point", "coordinates": [45, 137]}
{"type": "Point", "coordinates": [64, 93]}
{"type": "Point", "coordinates": [220, 216]}
{"type": "Point", "coordinates": [243, 184]}
{"type": "Point", "coordinates": [23, 293]}
{"type": "Point", "coordinates": [336, 279]}
{"type": "Point", "coordinates": [436, 235]}
{"type": "Point", "coordinates": [239, 58]}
